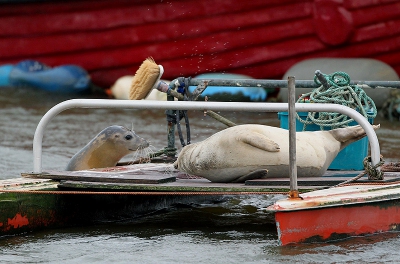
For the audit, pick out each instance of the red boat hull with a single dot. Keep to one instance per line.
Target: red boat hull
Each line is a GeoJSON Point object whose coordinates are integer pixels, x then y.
{"type": "Point", "coordinates": [334, 223]}
{"type": "Point", "coordinates": [262, 39]}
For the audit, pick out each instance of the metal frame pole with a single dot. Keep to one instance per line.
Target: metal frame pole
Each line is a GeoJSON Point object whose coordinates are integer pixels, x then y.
{"type": "Point", "coordinates": [292, 138]}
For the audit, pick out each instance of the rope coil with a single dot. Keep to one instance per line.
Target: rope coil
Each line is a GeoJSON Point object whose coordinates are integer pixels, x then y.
{"type": "Point", "coordinates": [372, 171]}
{"type": "Point", "coordinates": [336, 90]}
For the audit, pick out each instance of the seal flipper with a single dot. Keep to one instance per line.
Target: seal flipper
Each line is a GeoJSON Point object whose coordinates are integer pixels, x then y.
{"type": "Point", "coordinates": [349, 134]}
{"type": "Point", "coordinates": [252, 175]}
{"type": "Point", "coordinates": [260, 141]}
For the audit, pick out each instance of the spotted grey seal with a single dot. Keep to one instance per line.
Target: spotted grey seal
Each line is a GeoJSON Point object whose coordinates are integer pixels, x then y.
{"type": "Point", "coordinates": [106, 149]}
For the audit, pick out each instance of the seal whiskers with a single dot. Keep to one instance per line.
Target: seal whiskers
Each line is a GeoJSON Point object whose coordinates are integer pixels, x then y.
{"type": "Point", "coordinates": [142, 155]}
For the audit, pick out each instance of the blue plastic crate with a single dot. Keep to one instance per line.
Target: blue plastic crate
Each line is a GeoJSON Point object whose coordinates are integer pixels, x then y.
{"type": "Point", "coordinates": [349, 158]}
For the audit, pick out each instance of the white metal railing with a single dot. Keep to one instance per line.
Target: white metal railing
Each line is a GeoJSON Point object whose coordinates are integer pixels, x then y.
{"type": "Point", "coordinates": [186, 105]}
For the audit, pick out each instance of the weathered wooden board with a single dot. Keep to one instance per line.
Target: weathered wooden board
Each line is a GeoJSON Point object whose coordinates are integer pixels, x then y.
{"type": "Point", "coordinates": [312, 181]}
{"type": "Point", "coordinates": [139, 173]}
{"type": "Point", "coordinates": [185, 186]}
{"type": "Point", "coordinates": [24, 184]}
{"type": "Point", "coordinates": [323, 181]}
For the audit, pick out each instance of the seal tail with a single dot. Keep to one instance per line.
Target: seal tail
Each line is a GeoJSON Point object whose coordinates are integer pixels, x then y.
{"type": "Point", "coordinates": [147, 77]}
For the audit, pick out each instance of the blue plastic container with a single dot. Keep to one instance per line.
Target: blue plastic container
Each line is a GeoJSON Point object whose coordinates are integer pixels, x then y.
{"type": "Point", "coordinates": [349, 158]}
{"type": "Point", "coordinates": [5, 74]}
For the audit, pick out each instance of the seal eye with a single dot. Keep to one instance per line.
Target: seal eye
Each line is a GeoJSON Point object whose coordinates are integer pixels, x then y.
{"type": "Point", "coordinates": [128, 137]}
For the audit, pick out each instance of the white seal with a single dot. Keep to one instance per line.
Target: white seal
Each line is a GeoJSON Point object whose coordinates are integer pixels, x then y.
{"type": "Point", "coordinates": [246, 152]}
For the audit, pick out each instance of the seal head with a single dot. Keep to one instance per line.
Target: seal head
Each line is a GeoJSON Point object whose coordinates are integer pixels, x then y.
{"type": "Point", "coordinates": [106, 149]}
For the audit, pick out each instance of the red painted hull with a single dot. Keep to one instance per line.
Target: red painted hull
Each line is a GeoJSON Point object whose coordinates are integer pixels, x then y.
{"type": "Point", "coordinates": [338, 212]}
{"type": "Point", "coordinates": [334, 223]}
{"type": "Point", "coordinates": [262, 39]}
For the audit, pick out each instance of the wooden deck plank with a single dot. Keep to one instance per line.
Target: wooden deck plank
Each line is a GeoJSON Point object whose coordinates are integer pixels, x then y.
{"type": "Point", "coordinates": [330, 178]}
{"type": "Point", "coordinates": [320, 181]}
{"type": "Point", "coordinates": [175, 187]}
{"type": "Point", "coordinates": [27, 184]}
{"type": "Point", "coordinates": [139, 173]}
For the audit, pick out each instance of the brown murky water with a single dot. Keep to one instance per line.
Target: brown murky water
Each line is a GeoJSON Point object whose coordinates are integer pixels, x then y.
{"type": "Point", "coordinates": [234, 230]}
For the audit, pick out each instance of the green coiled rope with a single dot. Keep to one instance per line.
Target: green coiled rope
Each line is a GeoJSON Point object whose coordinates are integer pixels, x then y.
{"type": "Point", "coordinates": [337, 90]}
